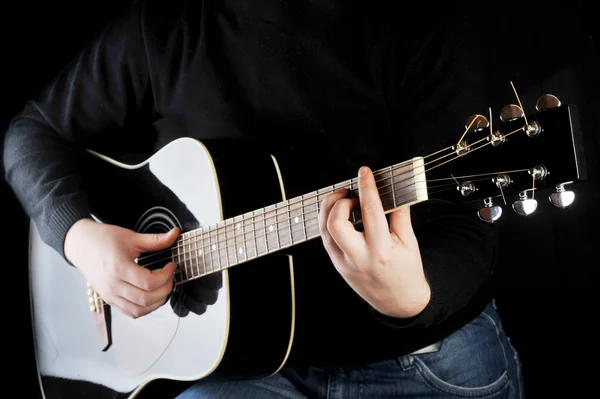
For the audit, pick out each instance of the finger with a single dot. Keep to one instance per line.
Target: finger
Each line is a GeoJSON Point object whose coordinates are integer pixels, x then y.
{"type": "Point", "coordinates": [373, 217]}
{"type": "Point", "coordinates": [328, 242]}
{"type": "Point", "coordinates": [350, 241]}
{"type": "Point", "coordinates": [146, 279]}
{"type": "Point", "coordinates": [142, 297]}
{"type": "Point", "coordinates": [155, 242]}
{"type": "Point", "coordinates": [401, 225]}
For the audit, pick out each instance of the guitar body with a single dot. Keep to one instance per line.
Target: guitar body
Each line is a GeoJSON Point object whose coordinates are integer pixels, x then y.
{"type": "Point", "coordinates": [184, 185]}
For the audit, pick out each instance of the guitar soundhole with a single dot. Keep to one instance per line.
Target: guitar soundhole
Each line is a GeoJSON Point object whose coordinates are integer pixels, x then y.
{"type": "Point", "coordinates": [156, 220]}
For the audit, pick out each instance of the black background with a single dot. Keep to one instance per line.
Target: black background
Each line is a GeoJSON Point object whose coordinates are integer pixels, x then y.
{"type": "Point", "coordinates": [548, 271]}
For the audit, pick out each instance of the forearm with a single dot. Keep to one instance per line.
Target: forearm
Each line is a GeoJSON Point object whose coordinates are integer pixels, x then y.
{"type": "Point", "coordinates": [44, 176]}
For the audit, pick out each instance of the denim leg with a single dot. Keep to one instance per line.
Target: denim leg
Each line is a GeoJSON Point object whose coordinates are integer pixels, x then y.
{"type": "Point", "coordinates": [310, 382]}
{"type": "Point", "coordinates": [477, 361]}
{"type": "Point", "coordinates": [274, 387]}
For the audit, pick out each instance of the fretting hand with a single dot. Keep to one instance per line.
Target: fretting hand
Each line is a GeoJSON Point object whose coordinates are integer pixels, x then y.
{"type": "Point", "coordinates": [382, 263]}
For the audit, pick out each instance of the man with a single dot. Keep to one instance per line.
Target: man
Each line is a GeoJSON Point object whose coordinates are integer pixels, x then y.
{"type": "Point", "coordinates": [401, 308]}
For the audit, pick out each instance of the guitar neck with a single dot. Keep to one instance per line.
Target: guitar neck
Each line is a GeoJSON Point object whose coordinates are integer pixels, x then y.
{"type": "Point", "coordinates": [233, 241]}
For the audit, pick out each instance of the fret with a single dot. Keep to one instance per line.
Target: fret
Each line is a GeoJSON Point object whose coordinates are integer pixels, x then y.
{"type": "Point", "coordinates": [353, 189]}
{"type": "Point", "coordinates": [178, 273]}
{"type": "Point", "coordinates": [178, 245]}
{"type": "Point", "coordinates": [191, 255]}
{"type": "Point", "coordinates": [310, 209]}
{"type": "Point", "coordinates": [198, 254]}
{"type": "Point", "coordinates": [260, 227]}
{"type": "Point", "coordinates": [298, 228]}
{"type": "Point", "coordinates": [284, 231]}
{"type": "Point", "coordinates": [186, 255]}
{"type": "Point", "coordinates": [344, 184]}
{"type": "Point", "coordinates": [214, 249]}
{"type": "Point", "coordinates": [206, 252]}
{"type": "Point", "coordinates": [272, 233]}
{"type": "Point", "coordinates": [249, 235]}
{"type": "Point", "coordinates": [404, 184]}
{"type": "Point", "coordinates": [230, 242]}
{"type": "Point", "coordinates": [383, 182]}
{"type": "Point", "coordinates": [393, 188]}
{"type": "Point", "coordinates": [239, 239]}
{"type": "Point", "coordinates": [221, 243]}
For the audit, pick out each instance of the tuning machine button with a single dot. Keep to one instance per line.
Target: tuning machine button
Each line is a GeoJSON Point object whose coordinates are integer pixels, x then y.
{"type": "Point", "coordinates": [511, 112]}
{"type": "Point", "coordinates": [476, 123]}
{"type": "Point", "coordinates": [562, 198]}
{"type": "Point", "coordinates": [490, 212]}
{"type": "Point", "coordinates": [547, 101]}
{"type": "Point", "coordinates": [524, 206]}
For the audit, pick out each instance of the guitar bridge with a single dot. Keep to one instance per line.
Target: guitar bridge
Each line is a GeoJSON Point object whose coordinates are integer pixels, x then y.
{"type": "Point", "coordinates": [101, 316]}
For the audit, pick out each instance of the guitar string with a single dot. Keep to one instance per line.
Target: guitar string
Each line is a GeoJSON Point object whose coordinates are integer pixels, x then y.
{"type": "Point", "coordinates": [224, 252]}
{"type": "Point", "coordinates": [218, 256]}
{"type": "Point", "coordinates": [193, 239]}
{"type": "Point", "coordinates": [352, 182]}
{"type": "Point", "coordinates": [221, 253]}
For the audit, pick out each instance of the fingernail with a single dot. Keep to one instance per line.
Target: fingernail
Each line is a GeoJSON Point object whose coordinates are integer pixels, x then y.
{"type": "Point", "coordinates": [363, 171]}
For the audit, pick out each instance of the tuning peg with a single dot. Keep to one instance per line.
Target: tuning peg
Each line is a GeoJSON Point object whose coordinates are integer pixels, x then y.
{"type": "Point", "coordinates": [490, 212]}
{"type": "Point", "coordinates": [511, 112]}
{"type": "Point", "coordinates": [562, 198]}
{"type": "Point", "coordinates": [547, 101]}
{"type": "Point", "coordinates": [466, 188]}
{"type": "Point", "coordinates": [524, 206]}
{"type": "Point", "coordinates": [476, 123]}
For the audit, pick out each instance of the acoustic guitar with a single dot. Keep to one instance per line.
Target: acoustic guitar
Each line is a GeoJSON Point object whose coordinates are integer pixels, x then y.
{"type": "Point", "coordinates": [196, 186]}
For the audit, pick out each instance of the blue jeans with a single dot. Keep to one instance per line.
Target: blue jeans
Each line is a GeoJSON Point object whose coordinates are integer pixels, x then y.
{"type": "Point", "coordinates": [477, 361]}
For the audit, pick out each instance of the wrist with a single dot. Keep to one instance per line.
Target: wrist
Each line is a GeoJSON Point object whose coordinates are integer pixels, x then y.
{"type": "Point", "coordinates": [73, 238]}
{"type": "Point", "coordinates": [409, 303]}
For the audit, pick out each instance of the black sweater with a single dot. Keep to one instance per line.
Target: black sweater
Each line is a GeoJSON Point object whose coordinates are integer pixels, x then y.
{"type": "Point", "coordinates": [352, 85]}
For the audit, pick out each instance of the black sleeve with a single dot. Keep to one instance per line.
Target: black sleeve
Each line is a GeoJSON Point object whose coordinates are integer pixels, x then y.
{"type": "Point", "coordinates": [106, 83]}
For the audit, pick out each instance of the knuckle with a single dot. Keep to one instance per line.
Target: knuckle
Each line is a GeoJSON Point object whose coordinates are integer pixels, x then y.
{"type": "Point", "coordinates": [381, 258]}
{"type": "Point", "coordinates": [144, 300]}
{"type": "Point", "coordinates": [147, 285]}
{"type": "Point", "coordinates": [136, 313]}
{"type": "Point", "coordinates": [334, 226]}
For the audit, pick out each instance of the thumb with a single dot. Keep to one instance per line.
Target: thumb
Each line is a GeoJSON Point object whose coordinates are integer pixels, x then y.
{"type": "Point", "coordinates": [156, 241]}
{"type": "Point", "coordinates": [401, 225]}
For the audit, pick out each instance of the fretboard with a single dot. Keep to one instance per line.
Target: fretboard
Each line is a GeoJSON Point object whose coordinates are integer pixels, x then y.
{"type": "Point", "coordinates": [236, 240]}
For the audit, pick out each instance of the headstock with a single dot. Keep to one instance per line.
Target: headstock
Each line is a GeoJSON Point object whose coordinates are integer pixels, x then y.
{"type": "Point", "coordinates": [512, 162]}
